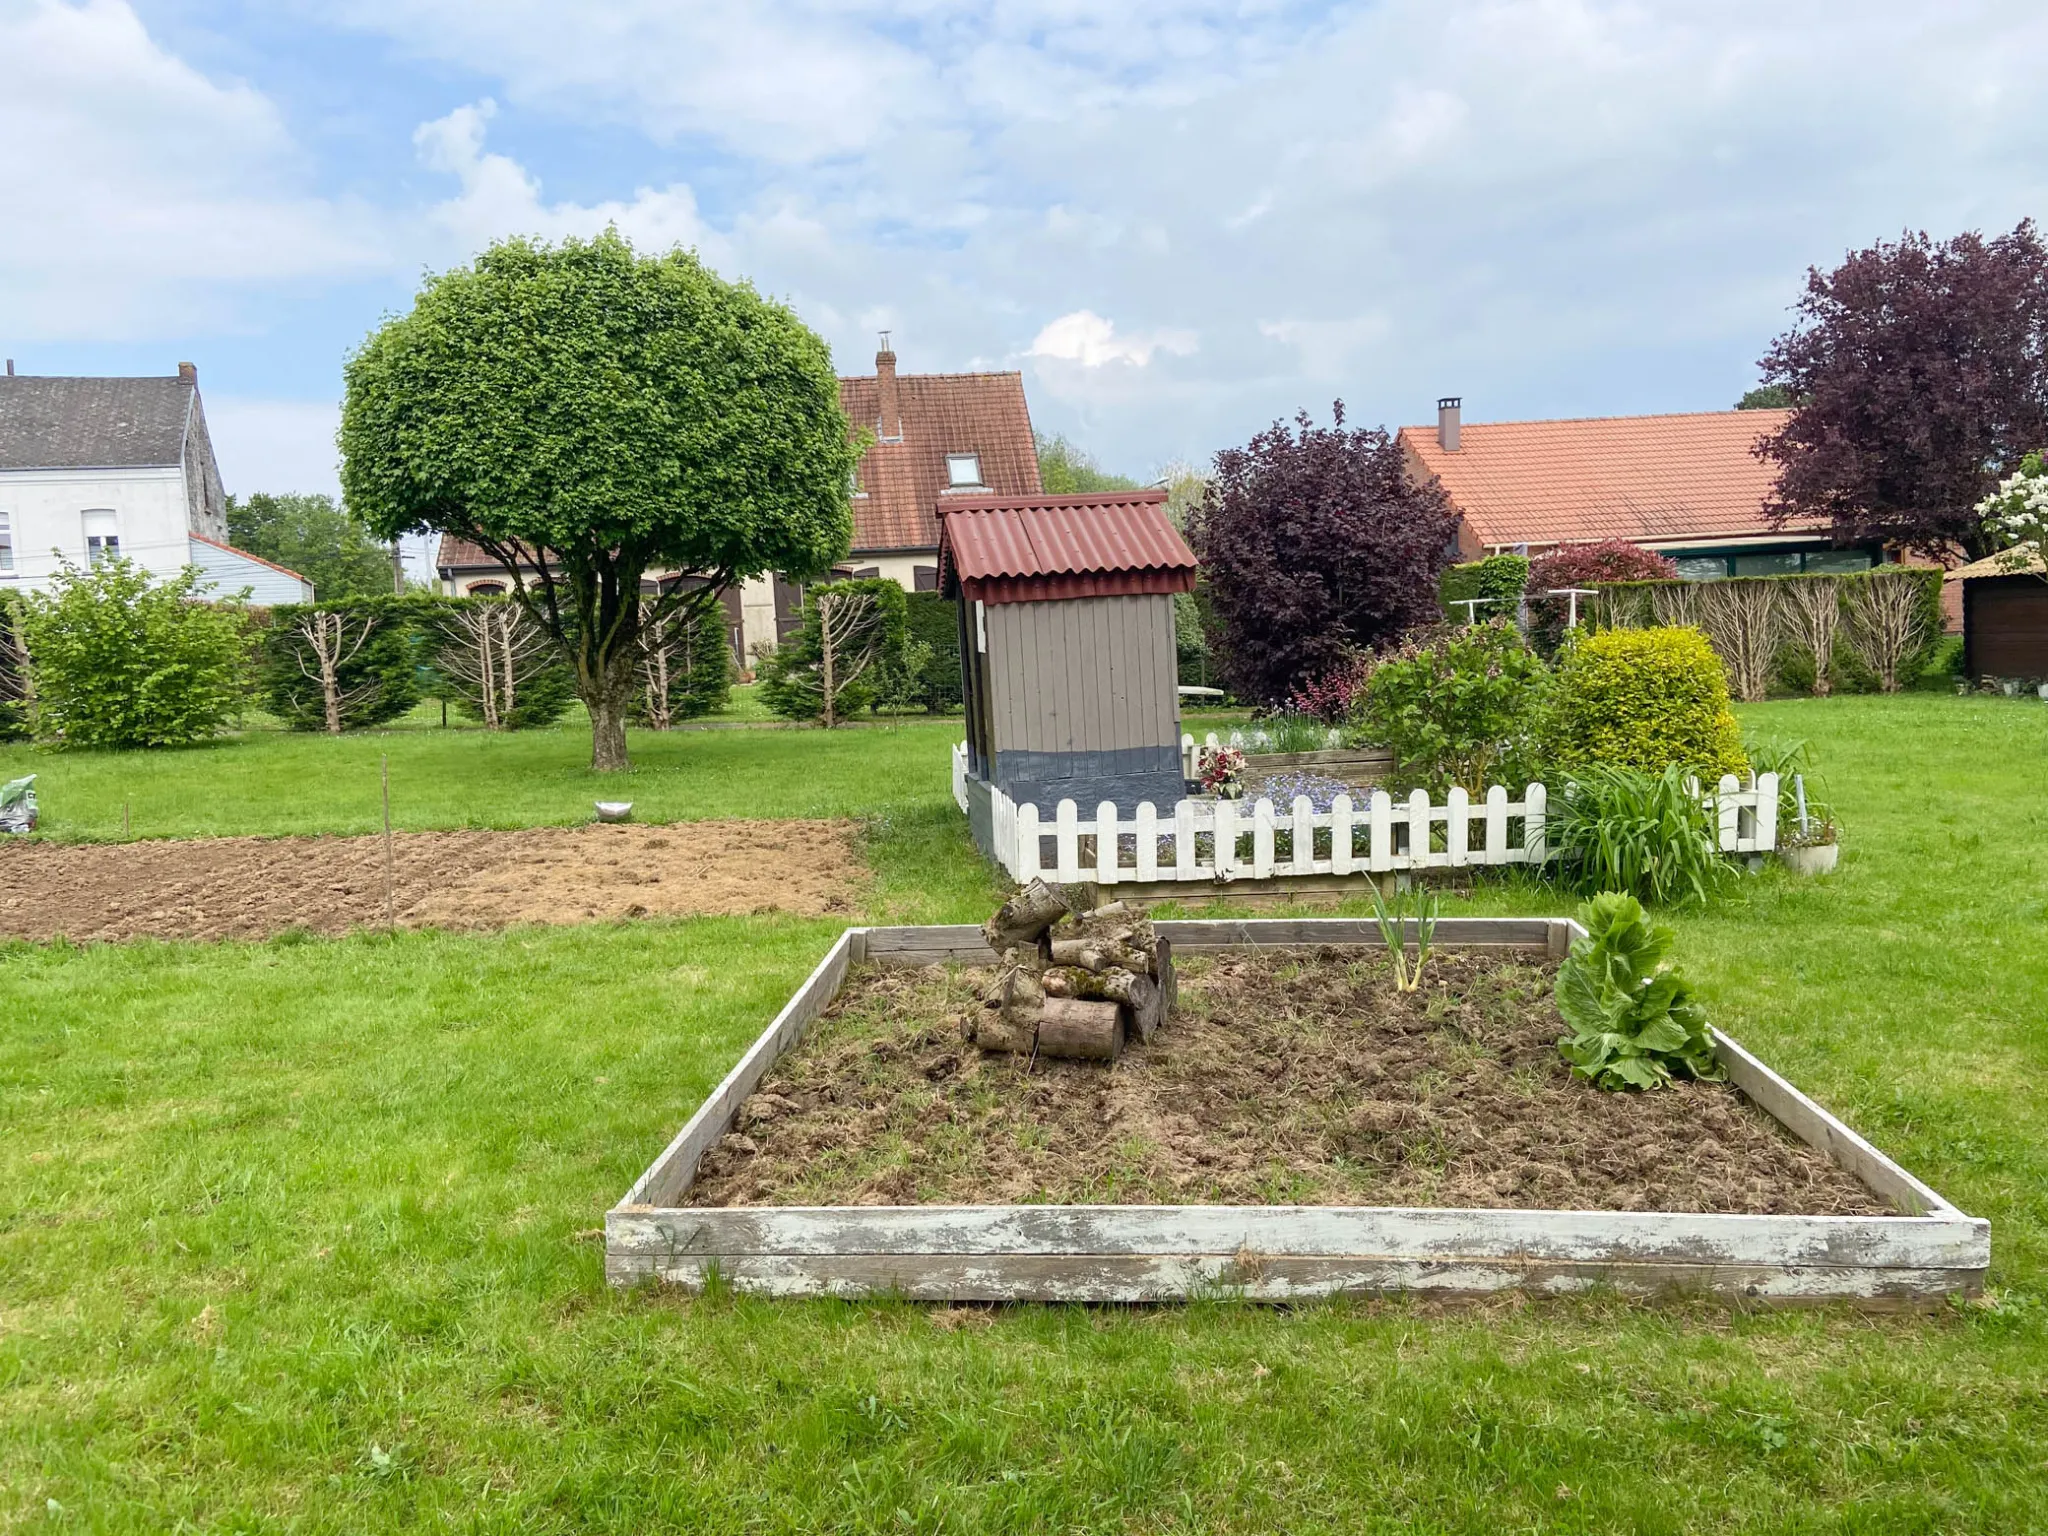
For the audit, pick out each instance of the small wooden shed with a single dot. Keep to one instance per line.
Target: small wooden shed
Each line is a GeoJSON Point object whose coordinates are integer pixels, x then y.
{"type": "Point", "coordinates": [1068, 664]}
{"type": "Point", "coordinates": [2005, 618]}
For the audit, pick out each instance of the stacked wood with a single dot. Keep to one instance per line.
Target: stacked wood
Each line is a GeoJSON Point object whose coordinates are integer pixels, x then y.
{"type": "Point", "coordinates": [1077, 981]}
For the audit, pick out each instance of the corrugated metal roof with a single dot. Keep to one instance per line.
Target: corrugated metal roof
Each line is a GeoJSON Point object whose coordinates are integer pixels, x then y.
{"type": "Point", "coordinates": [1068, 546]}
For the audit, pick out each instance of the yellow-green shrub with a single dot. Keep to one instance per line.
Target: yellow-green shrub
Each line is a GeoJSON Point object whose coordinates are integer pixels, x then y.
{"type": "Point", "coordinates": [1645, 698]}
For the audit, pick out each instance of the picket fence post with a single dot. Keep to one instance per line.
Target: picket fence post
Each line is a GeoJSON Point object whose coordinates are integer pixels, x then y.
{"type": "Point", "coordinates": [1535, 805]}
{"type": "Point", "coordinates": [1184, 841]}
{"type": "Point", "coordinates": [1105, 843]}
{"type": "Point", "coordinates": [1027, 845]}
{"type": "Point", "coordinates": [1304, 860]}
{"type": "Point", "coordinates": [1226, 839]}
{"type": "Point", "coordinates": [1340, 835]}
{"type": "Point", "coordinates": [1418, 830]}
{"type": "Point", "coordinates": [1066, 843]}
{"type": "Point", "coordinates": [1457, 831]}
{"type": "Point", "coordinates": [1262, 839]}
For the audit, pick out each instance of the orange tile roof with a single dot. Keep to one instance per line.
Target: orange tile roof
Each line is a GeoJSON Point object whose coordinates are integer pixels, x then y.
{"type": "Point", "coordinates": [905, 482]}
{"type": "Point", "coordinates": [979, 413]}
{"type": "Point", "coordinates": [1648, 479]}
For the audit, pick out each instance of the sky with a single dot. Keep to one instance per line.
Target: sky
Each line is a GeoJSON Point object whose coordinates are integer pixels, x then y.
{"type": "Point", "coordinates": [1181, 219]}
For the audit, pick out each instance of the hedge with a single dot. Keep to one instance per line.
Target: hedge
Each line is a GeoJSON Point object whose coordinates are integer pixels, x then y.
{"type": "Point", "coordinates": [934, 621]}
{"type": "Point", "coordinates": [1644, 698]}
{"type": "Point", "coordinates": [1501, 578]}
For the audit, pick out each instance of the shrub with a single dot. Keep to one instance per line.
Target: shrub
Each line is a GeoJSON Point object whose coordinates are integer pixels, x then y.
{"type": "Point", "coordinates": [1461, 706]}
{"type": "Point", "coordinates": [119, 660]}
{"type": "Point", "coordinates": [16, 695]}
{"type": "Point", "coordinates": [848, 628]}
{"type": "Point", "coordinates": [496, 664]}
{"type": "Point", "coordinates": [685, 669]}
{"type": "Point", "coordinates": [1332, 698]}
{"type": "Point", "coordinates": [1316, 543]}
{"type": "Point", "coordinates": [1647, 699]}
{"type": "Point", "coordinates": [1500, 580]}
{"type": "Point", "coordinates": [934, 622]}
{"type": "Point", "coordinates": [1890, 616]}
{"type": "Point", "coordinates": [1650, 834]}
{"type": "Point", "coordinates": [339, 666]}
{"type": "Point", "coordinates": [1633, 1019]}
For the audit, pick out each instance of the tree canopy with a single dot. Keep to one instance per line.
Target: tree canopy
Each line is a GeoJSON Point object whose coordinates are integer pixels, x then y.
{"type": "Point", "coordinates": [590, 418]}
{"type": "Point", "coordinates": [1765, 397]}
{"type": "Point", "coordinates": [1066, 469]}
{"type": "Point", "coordinates": [1316, 545]}
{"type": "Point", "coordinates": [311, 535]}
{"type": "Point", "coordinates": [1920, 376]}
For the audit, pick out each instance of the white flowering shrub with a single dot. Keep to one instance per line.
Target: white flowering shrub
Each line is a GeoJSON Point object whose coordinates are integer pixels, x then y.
{"type": "Point", "coordinates": [2018, 514]}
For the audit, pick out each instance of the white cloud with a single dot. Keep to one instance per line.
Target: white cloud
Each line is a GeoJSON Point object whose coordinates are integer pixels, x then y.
{"type": "Point", "coordinates": [499, 197]}
{"type": "Point", "coordinates": [1088, 339]}
{"type": "Point", "coordinates": [1327, 347]}
{"type": "Point", "coordinates": [138, 191]}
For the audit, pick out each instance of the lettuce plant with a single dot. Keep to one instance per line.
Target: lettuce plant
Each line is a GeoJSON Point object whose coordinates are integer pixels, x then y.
{"type": "Point", "coordinates": [1633, 1019]}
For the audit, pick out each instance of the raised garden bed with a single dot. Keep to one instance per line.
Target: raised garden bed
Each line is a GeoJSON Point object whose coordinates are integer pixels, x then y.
{"type": "Point", "coordinates": [1295, 1130]}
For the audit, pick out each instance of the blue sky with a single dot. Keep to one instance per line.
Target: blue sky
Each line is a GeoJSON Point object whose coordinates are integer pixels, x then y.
{"type": "Point", "coordinates": [1181, 219]}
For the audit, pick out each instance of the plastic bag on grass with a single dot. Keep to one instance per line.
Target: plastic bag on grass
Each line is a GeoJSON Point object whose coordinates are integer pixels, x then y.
{"type": "Point", "coordinates": [18, 806]}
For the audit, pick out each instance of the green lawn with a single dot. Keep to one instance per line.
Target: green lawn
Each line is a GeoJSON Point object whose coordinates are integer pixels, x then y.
{"type": "Point", "coordinates": [303, 1235]}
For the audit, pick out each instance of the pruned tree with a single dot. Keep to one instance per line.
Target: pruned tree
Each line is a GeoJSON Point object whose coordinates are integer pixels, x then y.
{"type": "Point", "coordinates": [1741, 622]}
{"type": "Point", "coordinates": [826, 670]}
{"type": "Point", "coordinates": [1885, 619]}
{"type": "Point", "coordinates": [341, 666]}
{"type": "Point", "coordinates": [1918, 373]}
{"type": "Point", "coordinates": [1812, 613]}
{"type": "Point", "coordinates": [685, 669]}
{"type": "Point", "coordinates": [17, 681]}
{"type": "Point", "coordinates": [586, 415]}
{"type": "Point", "coordinates": [1677, 604]}
{"type": "Point", "coordinates": [493, 652]}
{"type": "Point", "coordinates": [330, 641]}
{"type": "Point", "coordinates": [1317, 544]}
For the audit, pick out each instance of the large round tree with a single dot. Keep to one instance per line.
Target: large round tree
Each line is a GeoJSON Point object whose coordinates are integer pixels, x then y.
{"type": "Point", "coordinates": [1316, 544]}
{"type": "Point", "coordinates": [594, 419]}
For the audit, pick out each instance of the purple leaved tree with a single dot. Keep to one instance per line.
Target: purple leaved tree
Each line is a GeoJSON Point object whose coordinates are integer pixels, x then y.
{"type": "Point", "coordinates": [1918, 374]}
{"type": "Point", "coordinates": [1316, 545]}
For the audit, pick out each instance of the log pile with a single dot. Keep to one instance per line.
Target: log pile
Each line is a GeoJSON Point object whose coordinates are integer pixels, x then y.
{"type": "Point", "coordinates": [1077, 980]}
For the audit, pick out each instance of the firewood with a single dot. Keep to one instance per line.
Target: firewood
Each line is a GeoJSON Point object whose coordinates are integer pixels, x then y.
{"type": "Point", "coordinates": [1084, 1031]}
{"type": "Point", "coordinates": [1147, 1008]}
{"type": "Point", "coordinates": [1022, 919]}
{"type": "Point", "coordinates": [1163, 973]}
{"type": "Point", "coordinates": [1100, 955]}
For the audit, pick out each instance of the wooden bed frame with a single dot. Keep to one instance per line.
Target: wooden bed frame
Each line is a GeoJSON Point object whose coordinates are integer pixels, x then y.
{"type": "Point", "coordinates": [1151, 1253]}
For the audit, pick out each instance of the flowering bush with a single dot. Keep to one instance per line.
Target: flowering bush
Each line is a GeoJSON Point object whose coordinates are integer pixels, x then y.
{"type": "Point", "coordinates": [1223, 772]}
{"type": "Point", "coordinates": [1330, 697]}
{"type": "Point", "coordinates": [2018, 515]}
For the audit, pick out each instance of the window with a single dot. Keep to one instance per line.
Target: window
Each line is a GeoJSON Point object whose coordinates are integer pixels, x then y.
{"type": "Point", "coordinates": [102, 536]}
{"type": "Point", "coordinates": [1702, 567]}
{"type": "Point", "coordinates": [926, 578]}
{"type": "Point", "coordinates": [6, 546]}
{"type": "Point", "coordinates": [963, 471]}
{"type": "Point", "coordinates": [486, 589]}
{"type": "Point", "coordinates": [1776, 563]}
{"type": "Point", "coordinates": [1836, 562]}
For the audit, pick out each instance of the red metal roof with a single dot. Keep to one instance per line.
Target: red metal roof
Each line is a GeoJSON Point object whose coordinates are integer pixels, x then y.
{"type": "Point", "coordinates": [1034, 548]}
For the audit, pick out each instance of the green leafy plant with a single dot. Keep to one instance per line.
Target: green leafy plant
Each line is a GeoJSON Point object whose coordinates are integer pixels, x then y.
{"type": "Point", "coordinates": [340, 666]}
{"type": "Point", "coordinates": [828, 669]}
{"type": "Point", "coordinates": [118, 659]}
{"type": "Point", "coordinates": [1633, 1020]}
{"type": "Point", "coordinates": [1644, 698]}
{"type": "Point", "coordinates": [1418, 907]}
{"type": "Point", "coordinates": [1459, 706]}
{"type": "Point", "coordinates": [1650, 834]}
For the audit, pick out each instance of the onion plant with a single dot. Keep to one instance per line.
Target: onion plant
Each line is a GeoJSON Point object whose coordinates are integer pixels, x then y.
{"type": "Point", "coordinates": [1393, 920]}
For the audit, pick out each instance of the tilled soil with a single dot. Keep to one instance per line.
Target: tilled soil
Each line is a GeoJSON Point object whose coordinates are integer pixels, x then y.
{"type": "Point", "coordinates": [250, 887]}
{"type": "Point", "coordinates": [1296, 1078]}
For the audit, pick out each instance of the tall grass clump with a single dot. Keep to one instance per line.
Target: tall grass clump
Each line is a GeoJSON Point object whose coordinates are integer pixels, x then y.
{"type": "Point", "coordinates": [1649, 834]}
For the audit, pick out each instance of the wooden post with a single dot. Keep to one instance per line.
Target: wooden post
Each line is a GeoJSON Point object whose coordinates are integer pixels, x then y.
{"type": "Point", "coordinates": [389, 920]}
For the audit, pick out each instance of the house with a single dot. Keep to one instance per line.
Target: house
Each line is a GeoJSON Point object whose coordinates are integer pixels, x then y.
{"type": "Point", "coordinates": [940, 440]}
{"type": "Point", "coordinates": [2004, 602]}
{"type": "Point", "coordinates": [95, 468]}
{"type": "Point", "coordinates": [1066, 638]}
{"type": "Point", "coordinates": [1688, 486]}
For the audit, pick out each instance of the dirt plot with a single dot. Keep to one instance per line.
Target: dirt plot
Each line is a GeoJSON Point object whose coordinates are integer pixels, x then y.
{"type": "Point", "coordinates": [247, 887]}
{"type": "Point", "coordinates": [1285, 1078]}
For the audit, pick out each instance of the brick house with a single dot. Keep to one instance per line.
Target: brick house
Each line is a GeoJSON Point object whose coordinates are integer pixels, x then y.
{"type": "Point", "coordinates": [1688, 486]}
{"type": "Point", "coordinates": [940, 440]}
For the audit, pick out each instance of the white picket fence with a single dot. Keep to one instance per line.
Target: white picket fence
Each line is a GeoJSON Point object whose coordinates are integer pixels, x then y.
{"type": "Point", "coordinates": [1228, 840]}
{"type": "Point", "coordinates": [1192, 752]}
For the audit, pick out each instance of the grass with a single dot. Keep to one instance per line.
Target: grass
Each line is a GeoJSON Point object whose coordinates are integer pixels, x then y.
{"type": "Point", "coordinates": [300, 1236]}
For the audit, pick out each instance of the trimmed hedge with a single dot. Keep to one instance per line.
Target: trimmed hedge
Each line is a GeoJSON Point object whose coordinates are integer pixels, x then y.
{"type": "Point", "coordinates": [1644, 698]}
{"type": "Point", "coordinates": [934, 621]}
{"type": "Point", "coordinates": [1502, 578]}
{"type": "Point", "coordinates": [15, 724]}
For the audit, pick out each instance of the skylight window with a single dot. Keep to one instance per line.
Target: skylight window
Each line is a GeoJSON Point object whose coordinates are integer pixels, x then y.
{"type": "Point", "coordinates": [963, 471]}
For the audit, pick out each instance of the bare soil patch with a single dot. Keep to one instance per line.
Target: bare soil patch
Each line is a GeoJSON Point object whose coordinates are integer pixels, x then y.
{"type": "Point", "coordinates": [250, 887]}
{"type": "Point", "coordinates": [1295, 1077]}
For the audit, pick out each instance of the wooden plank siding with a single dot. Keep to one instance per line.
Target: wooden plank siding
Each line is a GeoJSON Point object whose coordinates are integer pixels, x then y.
{"type": "Point", "coordinates": [1281, 1253]}
{"type": "Point", "coordinates": [1091, 674]}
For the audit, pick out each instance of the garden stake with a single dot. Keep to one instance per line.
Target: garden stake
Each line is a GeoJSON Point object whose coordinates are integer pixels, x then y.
{"type": "Point", "coordinates": [389, 921]}
{"type": "Point", "coordinates": [124, 821]}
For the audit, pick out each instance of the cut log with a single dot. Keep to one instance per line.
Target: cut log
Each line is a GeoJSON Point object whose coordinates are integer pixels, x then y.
{"type": "Point", "coordinates": [1082, 1031]}
{"type": "Point", "coordinates": [1147, 1008]}
{"type": "Point", "coordinates": [1020, 921]}
{"type": "Point", "coordinates": [1162, 972]}
{"type": "Point", "coordinates": [1093, 954]}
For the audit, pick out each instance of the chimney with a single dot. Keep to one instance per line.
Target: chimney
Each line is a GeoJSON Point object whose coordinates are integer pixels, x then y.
{"type": "Point", "coordinates": [187, 374]}
{"type": "Point", "coordinates": [889, 423]}
{"type": "Point", "coordinates": [10, 367]}
{"type": "Point", "coordinates": [1448, 410]}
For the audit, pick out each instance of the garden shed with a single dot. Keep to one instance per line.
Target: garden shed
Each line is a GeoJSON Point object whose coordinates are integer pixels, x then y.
{"type": "Point", "coordinates": [2005, 617]}
{"type": "Point", "coordinates": [1066, 639]}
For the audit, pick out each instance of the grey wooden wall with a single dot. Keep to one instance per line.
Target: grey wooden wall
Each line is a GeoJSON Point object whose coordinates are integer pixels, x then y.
{"type": "Point", "coordinates": [1095, 674]}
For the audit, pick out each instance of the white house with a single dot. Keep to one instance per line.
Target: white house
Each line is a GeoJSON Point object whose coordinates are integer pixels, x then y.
{"type": "Point", "coordinates": [93, 468]}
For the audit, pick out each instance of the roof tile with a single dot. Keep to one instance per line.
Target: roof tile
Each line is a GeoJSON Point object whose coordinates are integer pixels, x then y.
{"type": "Point", "coordinates": [64, 423]}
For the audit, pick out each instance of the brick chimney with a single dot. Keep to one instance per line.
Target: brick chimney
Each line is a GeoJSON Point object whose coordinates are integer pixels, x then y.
{"type": "Point", "coordinates": [889, 423]}
{"type": "Point", "coordinates": [187, 374]}
{"type": "Point", "coordinates": [1448, 411]}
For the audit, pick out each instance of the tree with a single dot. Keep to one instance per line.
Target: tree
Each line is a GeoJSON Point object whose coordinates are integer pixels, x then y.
{"type": "Point", "coordinates": [685, 669]}
{"type": "Point", "coordinates": [827, 669]}
{"type": "Point", "coordinates": [584, 414]}
{"type": "Point", "coordinates": [1921, 375]}
{"type": "Point", "coordinates": [1065, 469]}
{"type": "Point", "coordinates": [340, 666]}
{"type": "Point", "coordinates": [309, 534]}
{"type": "Point", "coordinates": [1765, 397]}
{"type": "Point", "coordinates": [1316, 544]}
{"type": "Point", "coordinates": [120, 660]}
{"type": "Point", "coordinates": [17, 689]}
{"type": "Point", "coordinates": [503, 668]}
{"type": "Point", "coordinates": [2016, 516]}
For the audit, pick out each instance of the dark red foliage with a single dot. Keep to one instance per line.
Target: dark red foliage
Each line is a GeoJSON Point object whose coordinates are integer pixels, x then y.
{"type": "Point", "coordinates": [1921, 372]}
{"type": "Point", "coordinates": [1329, 698]}
{"type": "Point", "coordinates": [1581, 565]}
{"type": "Point", "coordinates": [1316, 546]}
